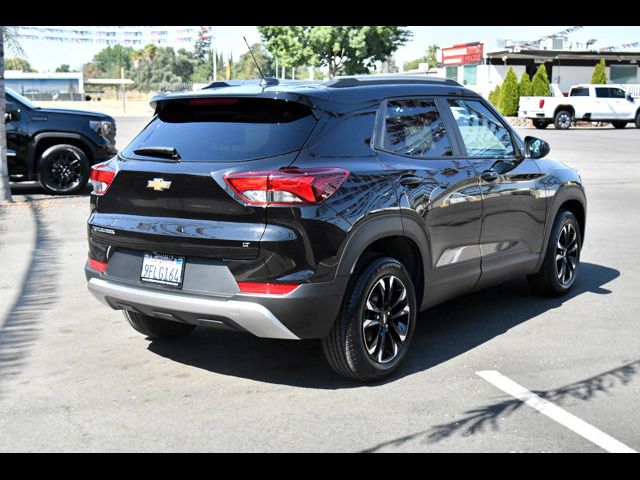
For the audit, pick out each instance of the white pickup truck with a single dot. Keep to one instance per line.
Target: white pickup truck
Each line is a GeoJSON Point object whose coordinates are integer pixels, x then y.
{"type": "Point", "coordinates": [596, 103]}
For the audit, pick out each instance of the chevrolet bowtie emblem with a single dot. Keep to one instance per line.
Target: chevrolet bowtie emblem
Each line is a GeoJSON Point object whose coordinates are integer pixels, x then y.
{"type": "Point", "coordinates": [158, 184]}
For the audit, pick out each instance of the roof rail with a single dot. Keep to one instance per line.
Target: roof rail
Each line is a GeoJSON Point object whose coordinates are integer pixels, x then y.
{"type": "Point", "coordinates": [360, 81]}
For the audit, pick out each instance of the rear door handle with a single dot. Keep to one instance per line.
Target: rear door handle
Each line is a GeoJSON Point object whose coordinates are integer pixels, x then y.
{"type": "Point", "coordinates": [489, 176]}
{"type": "Point", "coordinates": [410, 181]}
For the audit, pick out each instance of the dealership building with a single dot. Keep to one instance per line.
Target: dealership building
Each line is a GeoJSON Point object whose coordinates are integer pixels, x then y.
{"type": "Point", "coordinates": [472, 65]}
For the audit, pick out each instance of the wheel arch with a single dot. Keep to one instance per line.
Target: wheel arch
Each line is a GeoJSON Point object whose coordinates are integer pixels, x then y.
{"type": "Point", "coordinates": [572, 198]}
{"type": "Point", "coordinates": [564, 107]}
{"type": "Point", "coordinates": [385, 235]}
{"type": "Point", "coordinates": [42, 141]}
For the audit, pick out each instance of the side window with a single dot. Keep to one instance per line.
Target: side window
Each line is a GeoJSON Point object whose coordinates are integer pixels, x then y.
{"type": "Point", "coordinates": [482, 132]}
{"type": "Point", "coordinates": [617, 93]}
{"type": "Point", "coordinates": [414, 127]}
{"type": "Point", "coordinates": [602, 92]}
{"type": "Point", "coordinates": [579, 92]}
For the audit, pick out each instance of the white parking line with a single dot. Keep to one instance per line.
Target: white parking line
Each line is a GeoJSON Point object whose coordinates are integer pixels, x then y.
{"type": "Point", "coordinates": [554, 412]}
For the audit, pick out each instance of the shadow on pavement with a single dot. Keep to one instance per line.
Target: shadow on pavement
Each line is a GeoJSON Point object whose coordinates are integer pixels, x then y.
{"type": "Point", "coordinates": [443, 332]}
{"type": "Point", "coordinates": [29, 191]}
{"type": "Point", "coordinates": [19, 327]}
{"type": "Point", "coordinates": [485, 417]}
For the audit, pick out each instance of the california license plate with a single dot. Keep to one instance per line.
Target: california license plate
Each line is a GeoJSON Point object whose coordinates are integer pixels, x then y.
{"type": "Point", "coordinates": [165, 269]}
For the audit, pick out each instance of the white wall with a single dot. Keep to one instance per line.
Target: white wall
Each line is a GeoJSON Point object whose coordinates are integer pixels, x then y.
{"type": "Point", "coordinates": [489, 76]}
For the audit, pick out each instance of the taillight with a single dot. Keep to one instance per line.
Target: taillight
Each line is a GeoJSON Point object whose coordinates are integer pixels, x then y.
{"type": "Point", "coordinates": [101, 177]}
{"type": "Point", "coordinates": [267, 288]}
{"type": "Point", "coordinates": [541, 102]}
{"type": "Point", "coordinates": [96, 265]}
{"type": "Point", "coordinates": [287, 187]}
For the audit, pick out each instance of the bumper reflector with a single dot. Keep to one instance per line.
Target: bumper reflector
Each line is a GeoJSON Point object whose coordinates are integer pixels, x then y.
{"type": "Point", "coordinates": [267, 288]}
{"type": "Point", "coordinates": [96, 265]}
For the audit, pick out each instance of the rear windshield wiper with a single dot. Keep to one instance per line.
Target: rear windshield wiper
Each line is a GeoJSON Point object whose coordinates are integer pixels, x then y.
{"type": "Point", "coordinates": [162, 152]}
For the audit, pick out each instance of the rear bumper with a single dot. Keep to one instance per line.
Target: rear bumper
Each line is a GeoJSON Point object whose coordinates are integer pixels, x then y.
{"type": "Point", "coordinates": [250, 316]}
{"type": "Point", "coordinates": [307, 312]}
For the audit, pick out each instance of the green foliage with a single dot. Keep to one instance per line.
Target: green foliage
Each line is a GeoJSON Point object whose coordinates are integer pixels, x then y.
{"type": "Point", "coordinates": [245, 67]}
{"type": "Point", "coordinates": [540, 83]}
{"type": "Point", "coordinates": [430, 59]}
{"type": "Point", "coordinates": [509, 94]}
{"type": "Point", "coordinates": [599, 73]}
{"type": "Point", "coordinates": [64, 68]}
{"type": "Point", "coordinates": [110, 59]}
{"type": "Point", "coordinates": [525, 89]}
{"type": "Point", "coordinates": [494, 96]}
{"type": "Point", "coordinates": [345, 50]}
{"type": "Point", "coordinates": [17, 64]}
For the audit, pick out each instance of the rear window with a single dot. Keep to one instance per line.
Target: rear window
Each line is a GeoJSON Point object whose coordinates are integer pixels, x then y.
{"type": "Point", "coordinates": [226, 129]}
{"type": "Point", "coordinates": [579, 92]}
{"type": "Point", "coordinates": [603, 92]}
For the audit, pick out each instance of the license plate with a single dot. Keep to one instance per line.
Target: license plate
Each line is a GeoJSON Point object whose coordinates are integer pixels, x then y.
{"type": "Point", "coordinates": [165, 269]}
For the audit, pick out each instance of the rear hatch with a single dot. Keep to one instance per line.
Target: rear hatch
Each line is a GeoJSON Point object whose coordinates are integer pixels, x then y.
{"type": "Point", "coordinates": [169, 194]}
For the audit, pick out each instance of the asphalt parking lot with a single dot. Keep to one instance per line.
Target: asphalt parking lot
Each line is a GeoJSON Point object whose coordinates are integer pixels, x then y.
{"type": "Point", "coordinates": [75, 377]}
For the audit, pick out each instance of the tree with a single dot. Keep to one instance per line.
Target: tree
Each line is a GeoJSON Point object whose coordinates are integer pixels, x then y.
{"type": "Point", "coordinates": [64, 68]}
{"type": "Point", "coordinates": [348, 50]}
{"type": "Point", "coordinates": [600, 73]}
{"type": "Point", "coordinates": [18, 64]}
{"type": "Point", "coordinates": [524, 87]}
{"type": "Point", "coordinates": [430, 59]}
{"type": "Point", "coordinates": [202, 47]}
{"type": "Point", "coordinates": [540, 83]}
{"type": "Point", "coordinates": [245, 67]}
{"type": "Point", "coordinates": [494, 96]}
{"type": "Point", "coordinates": [109, 60]}
{"type": "Point", "coordinates": [509, 94]}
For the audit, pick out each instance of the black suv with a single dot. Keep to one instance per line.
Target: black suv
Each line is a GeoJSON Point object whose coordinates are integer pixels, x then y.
{"type": "Point", "coordinates": [54, 146]}
{"type": "Point", "coordinates": [334, 210]}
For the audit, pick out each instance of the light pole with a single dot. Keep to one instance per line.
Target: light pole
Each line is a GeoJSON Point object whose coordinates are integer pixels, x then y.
{"type": "Point", "coordinates": [214, 54]}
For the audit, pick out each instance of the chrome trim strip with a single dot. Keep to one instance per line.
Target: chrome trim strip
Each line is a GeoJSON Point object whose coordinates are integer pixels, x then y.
{"type": "Point", "coordinates": [251, 316]}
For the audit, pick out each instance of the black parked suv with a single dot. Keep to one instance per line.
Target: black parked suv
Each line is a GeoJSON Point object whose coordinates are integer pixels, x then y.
{"type": "Point", "coordinates": [55, 146]}
{"type": "Point", "coordinates": [334, 210]}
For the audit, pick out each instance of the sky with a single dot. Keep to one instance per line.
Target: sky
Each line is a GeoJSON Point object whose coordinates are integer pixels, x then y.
{"type": "Point", "coordinates": [47, 55]}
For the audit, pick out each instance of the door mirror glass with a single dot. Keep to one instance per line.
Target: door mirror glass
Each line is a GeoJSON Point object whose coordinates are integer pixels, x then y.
{"type": "Point", "coordinates": [535, 147]}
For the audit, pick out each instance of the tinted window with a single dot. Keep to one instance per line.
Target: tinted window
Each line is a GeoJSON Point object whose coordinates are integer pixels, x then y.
{"type": "Point", "coordinates": [482, 132]}
{"type": "Point", "coordinates": [579, 92]}
{"type": "Point", "coordinates": [602, 92]}
{"type": "Point", "coordinates": [227, 129]}
{"type": "Point", "coordinates": [414, 127]}
{"type": "Point", "coordinates": [617, 93]}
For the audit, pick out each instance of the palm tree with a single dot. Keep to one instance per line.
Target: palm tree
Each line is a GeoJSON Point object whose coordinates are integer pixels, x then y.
{"type": "Point", "coordinates": [10, 36]}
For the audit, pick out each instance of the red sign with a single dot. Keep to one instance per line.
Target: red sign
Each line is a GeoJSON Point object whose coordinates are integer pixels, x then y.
{"type": "Point", "coordinates": [463, 54]}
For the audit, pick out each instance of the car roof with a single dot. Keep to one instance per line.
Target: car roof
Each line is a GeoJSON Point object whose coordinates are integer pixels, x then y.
{"type": "Point", "coordinates": [351, 89]}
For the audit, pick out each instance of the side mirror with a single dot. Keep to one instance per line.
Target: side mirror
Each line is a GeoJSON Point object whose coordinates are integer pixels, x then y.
{"type": "Point", "coordinates": [535, 148]}
{"type": "Point", "coordinates": [12, 112]}
{"type": "Point", "coordinates": [629, 97]}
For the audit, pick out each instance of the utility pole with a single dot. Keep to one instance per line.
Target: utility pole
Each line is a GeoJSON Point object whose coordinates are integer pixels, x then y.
{"type": "Point", "coordinates": [214, 54]}
{"type": "Point", "coordinates": [122, 87]}
{"type": "Point", "coordinates": [276, 67]}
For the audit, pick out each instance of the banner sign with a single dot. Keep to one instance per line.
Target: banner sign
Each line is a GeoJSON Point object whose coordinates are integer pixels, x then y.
{"type": "Point", "coordinates": [123, 35]}
{"type": "Point", "coordinates": [463, 54]}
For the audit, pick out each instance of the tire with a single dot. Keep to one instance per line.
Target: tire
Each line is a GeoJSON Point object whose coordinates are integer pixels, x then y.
{"type": "Point", "coordinates": [346, 345]}
{"type": "Point", "coordinates": [563, 120]}
{"type": "Point", "coordinates": [157, 328]}
{"type": "Point", "coordinates": [619, 124]}
{"type": "Point", "coordinates": [63, 169]}
{"type": "Point", "coordinates": [540, 124]}
{"type": "Point", "coordinates": [638, 119]}
{"type": "Point", "coordinates": [548, 280]}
